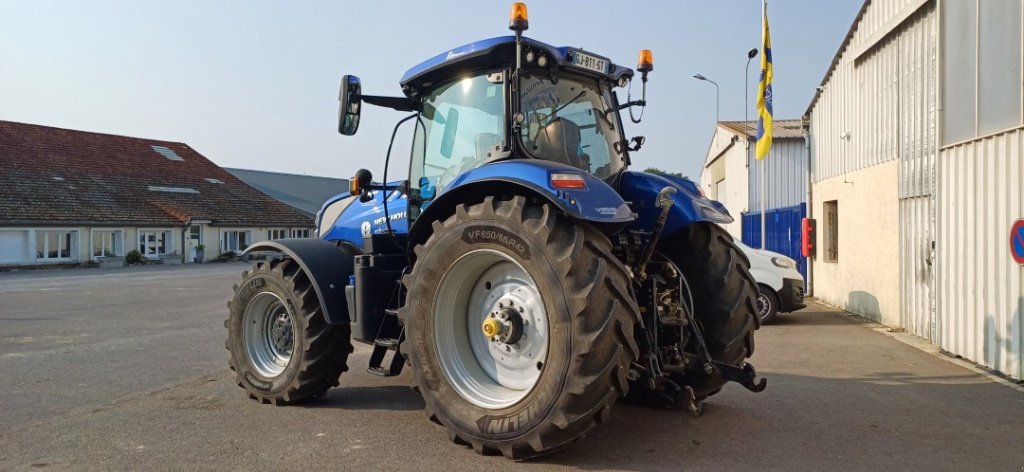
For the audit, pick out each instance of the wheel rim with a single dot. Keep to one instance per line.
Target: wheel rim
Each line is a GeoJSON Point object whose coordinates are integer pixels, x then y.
{"type": "Point", "coordinates": [269, 334]}
{"type": "Point", "coordinates": [764, 305]}
{"type": "Point", "coordinates": [486, 291]}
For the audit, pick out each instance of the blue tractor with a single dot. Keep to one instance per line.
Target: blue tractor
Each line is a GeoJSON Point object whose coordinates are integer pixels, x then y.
{"type": "Point", "coordinates": [524, 274]}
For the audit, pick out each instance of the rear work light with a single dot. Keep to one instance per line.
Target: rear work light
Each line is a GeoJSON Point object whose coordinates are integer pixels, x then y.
{"type": "Point", "coordinates": [567, 180]}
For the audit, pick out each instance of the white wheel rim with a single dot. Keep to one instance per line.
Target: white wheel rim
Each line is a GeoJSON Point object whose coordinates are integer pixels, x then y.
{"type": "Point", "coordinates": [496, 372]}
{"type": "Point", "coordinates": [268, 334]}
{"type": "Point", "coordinates": [764, 305]}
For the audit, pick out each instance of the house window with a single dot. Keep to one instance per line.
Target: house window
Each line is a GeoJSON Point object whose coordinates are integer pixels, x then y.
{"type": "Point", "coordinates": [55, 245]}
{"type": "Point", "coordinates": [300, 233]}
{"type": "Point", "coordinates": [831, 231]}
{"type": "Point", "coordinates": [276, 234]}
{"type": "Point", "coordinates": [235, 240]}
{"type": "Point", "coordinates": [720, 190]}
{"type": "Point", "coordinates": [107, 243]}
{"type": "Point", "coordinates": [153, 243]}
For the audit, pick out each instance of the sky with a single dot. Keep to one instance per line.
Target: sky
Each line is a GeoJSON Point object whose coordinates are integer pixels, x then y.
{"type": "Point", "coordinates": [255, 84]}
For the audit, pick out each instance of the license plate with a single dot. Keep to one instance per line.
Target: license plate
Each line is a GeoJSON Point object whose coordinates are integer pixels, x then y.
{"type": "Point", "coordinates": [586, 61]}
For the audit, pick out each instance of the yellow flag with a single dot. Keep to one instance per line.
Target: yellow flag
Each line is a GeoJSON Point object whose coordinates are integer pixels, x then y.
{"type": "Point", "coordinates": [764, 92]}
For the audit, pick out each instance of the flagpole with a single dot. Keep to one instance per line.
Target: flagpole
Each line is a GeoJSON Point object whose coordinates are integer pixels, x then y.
{"type": "Point", "coordinates": [764, 229]}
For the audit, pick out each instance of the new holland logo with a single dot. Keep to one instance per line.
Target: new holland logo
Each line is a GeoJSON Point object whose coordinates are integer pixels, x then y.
{"type": "Point", "coordinates": [365, 228]}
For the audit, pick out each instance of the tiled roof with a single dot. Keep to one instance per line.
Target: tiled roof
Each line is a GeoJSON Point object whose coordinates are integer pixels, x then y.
{"type": "Point", "coordinates": [59, 176]}
{"type": "Point", "coordinates": [781, 129]}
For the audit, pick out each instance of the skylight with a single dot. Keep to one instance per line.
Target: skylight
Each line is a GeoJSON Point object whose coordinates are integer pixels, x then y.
{"type": "Point", "coordinates": [214, 181]}
{"type": "Point", "coordinates": [155, 188]}
{"type": "Point", "coordinates": [168, 153]}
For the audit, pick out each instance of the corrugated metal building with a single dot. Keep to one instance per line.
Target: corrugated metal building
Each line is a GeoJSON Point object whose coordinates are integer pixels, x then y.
{"type": "Point", "coordinates": [916, 135]}
{"type": "Point", "coordinates": [731, 175]}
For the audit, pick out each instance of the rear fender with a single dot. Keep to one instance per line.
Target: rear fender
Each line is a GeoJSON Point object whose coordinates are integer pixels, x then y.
{"type": "Point", "coordinates": [598, 203]}
{"type": "Point", "coordinates": [328, 267]}
{"type": "Point", "coordinates": [689, 206]}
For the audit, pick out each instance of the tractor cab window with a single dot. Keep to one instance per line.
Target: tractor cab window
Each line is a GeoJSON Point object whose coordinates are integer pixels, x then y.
{"type": "Point", "coordinates": [461, 127]}
{"type": "Point", "coordinates": [570, 120]}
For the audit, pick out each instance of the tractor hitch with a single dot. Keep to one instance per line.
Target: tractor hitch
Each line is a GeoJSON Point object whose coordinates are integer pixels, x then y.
{"type": "Point", "coordinates": [745, 376]}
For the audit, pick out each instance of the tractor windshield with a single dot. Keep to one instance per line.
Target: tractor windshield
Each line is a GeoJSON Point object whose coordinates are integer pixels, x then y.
{"type": "Point", "coordinates": [461, 127]}
{"type": "Point", "coordinates": [571, 120]}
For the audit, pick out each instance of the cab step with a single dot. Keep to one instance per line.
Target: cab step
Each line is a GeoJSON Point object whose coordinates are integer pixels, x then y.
{"type": "Point", "coordinates": [381, 346]}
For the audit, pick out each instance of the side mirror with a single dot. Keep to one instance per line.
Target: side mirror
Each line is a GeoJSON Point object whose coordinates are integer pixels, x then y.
{"type": "Point", "coordinates": [636, 143]}
{"type": "Point", "coordinates": [349, 105]}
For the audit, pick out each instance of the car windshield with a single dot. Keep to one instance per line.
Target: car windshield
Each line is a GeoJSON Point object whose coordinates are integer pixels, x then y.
{"type": "Point", "coordinates": [571, 120]}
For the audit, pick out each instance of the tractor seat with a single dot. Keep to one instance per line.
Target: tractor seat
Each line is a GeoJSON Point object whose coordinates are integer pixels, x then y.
{"type": "Point", "coordinates": [559, 141]}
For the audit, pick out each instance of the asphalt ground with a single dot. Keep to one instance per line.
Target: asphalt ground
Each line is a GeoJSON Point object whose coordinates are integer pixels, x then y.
{"type": "Point", "coordinates": [126, 370]}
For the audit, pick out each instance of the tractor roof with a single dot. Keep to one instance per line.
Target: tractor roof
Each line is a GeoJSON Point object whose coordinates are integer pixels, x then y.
{"type": "Point", "coordinates": [493, 52]}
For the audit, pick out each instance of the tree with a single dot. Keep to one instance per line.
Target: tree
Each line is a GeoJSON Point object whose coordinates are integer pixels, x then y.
{"type": "Point", "coordinates": [655, 170]}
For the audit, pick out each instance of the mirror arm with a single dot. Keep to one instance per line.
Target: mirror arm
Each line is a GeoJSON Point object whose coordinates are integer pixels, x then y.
{"type": "Point", "coordinates": [639, 103]}
{"type": "Point", "coordinates": [395, 103]}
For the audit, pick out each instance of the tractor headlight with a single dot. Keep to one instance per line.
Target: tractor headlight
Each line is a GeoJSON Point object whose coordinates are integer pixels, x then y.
{"type": "Point", "coordinates": [784, 262]}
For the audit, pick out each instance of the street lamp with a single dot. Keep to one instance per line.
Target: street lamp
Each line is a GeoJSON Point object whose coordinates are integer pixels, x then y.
{"type": "Point", "coordinates": [746, 97]}
{"type": "Point", "coordinates": [701, 77]}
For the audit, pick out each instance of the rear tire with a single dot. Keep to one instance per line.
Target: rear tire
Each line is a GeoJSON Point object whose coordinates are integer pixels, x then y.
{"type": "Point", "coordinates": [282, 349]}
{"type": "Point", "coordinates": [724, 297]}
{"type": "Point", "coordinates": [583, 300]}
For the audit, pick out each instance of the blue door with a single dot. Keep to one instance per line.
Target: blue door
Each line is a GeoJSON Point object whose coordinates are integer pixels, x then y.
{"type": "Point", "coordinates": [783, 232]}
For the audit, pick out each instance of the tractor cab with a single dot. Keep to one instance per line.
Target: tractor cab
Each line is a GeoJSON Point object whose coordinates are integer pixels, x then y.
{"type": "Point", "coordinates": [509, 97]}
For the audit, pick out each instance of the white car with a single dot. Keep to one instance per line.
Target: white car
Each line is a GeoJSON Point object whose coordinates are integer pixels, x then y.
{"type": "Point", "coordinates": [780, 286]}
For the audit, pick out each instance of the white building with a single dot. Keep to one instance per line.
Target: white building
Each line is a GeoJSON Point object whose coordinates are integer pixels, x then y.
{"type": "Point", "coordinates": [916, 138]}
{"type": "Point", "coordinates": [731, 175]}
{"type": "Point", "coordinates": [73, 197]}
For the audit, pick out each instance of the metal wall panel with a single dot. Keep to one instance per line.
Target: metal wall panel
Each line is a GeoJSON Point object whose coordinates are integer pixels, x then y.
{"type": "Point", "coordinates": [856, 121]}
{"type": "Point", "coordinates": [980, 288]}
{"type": "Point", "coordinates": [918, 125]}
{"type": "Point", "coordinates": [918, 94]}
{"type": "Point", "coordinates": [917, 261]}
{"type": "Point", "coordinates": [786, 177]}
{"type": "Point", "coordinates": [879, 18]}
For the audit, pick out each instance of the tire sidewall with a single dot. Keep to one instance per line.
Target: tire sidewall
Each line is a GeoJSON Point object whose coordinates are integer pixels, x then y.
{"type": "Point", "coordinates": [259, 281]}
{"type": "Point", "coordinates": [505, 236]}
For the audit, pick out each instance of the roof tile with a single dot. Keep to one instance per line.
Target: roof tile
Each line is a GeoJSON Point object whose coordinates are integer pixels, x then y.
{"type": "Point", "coordinates": [104, 179]}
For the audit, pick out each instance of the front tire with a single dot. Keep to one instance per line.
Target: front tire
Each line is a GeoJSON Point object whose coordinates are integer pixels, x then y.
{"type": "Point", "coordinates": [767, 304]}
{"type": "Point", "coordinates": [282, 349]}
{"type": "Point", "coordinates": [549, 373]}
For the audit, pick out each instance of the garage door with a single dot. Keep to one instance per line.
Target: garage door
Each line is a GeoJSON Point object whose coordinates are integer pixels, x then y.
{"type": "Point", "coordinates": [13, 247]}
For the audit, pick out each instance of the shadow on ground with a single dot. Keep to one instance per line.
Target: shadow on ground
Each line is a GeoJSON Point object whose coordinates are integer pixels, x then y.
{"type": "Point", "coordinates": [387, 398]}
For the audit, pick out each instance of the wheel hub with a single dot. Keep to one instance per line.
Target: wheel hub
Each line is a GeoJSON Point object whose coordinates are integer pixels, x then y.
{"type": "Point", "coordinates": [281, 333]}
{"type": "Point", "coordinates": [504, 325]}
